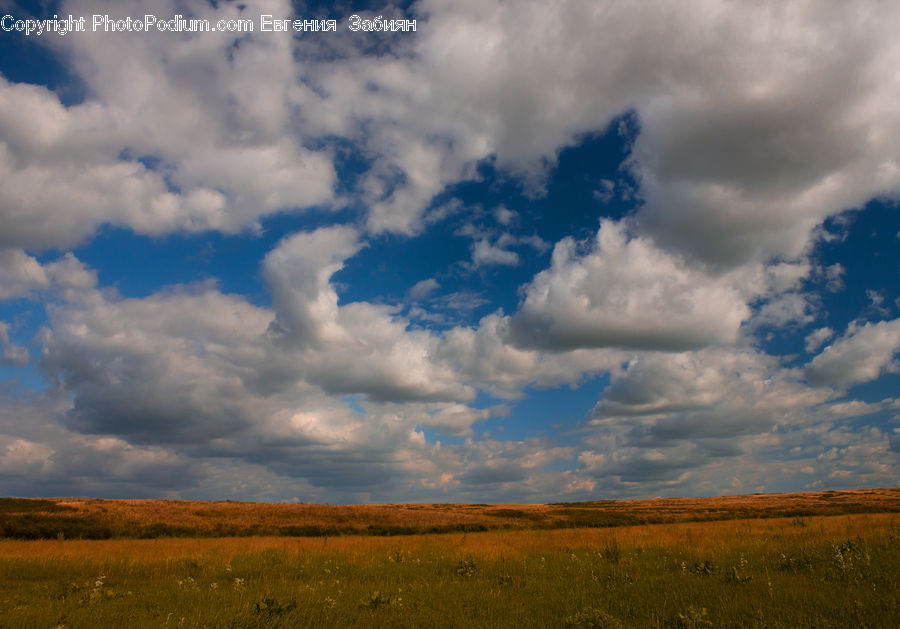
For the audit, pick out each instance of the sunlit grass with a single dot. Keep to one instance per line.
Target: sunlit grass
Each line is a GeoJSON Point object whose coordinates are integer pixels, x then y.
{"type": "Point", "coordinates": [105, 519]}
{"type": "Point", "coordinates": [811, 572]}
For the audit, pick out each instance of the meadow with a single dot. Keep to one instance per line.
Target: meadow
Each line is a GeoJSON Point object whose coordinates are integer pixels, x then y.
{"type": "Point", "coordinates": [797, 571]}
{"type": "Point", "coordinates": [84, 518]}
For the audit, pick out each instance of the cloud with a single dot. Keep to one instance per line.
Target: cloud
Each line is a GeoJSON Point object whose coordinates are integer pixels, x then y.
{"type": "Point", "coordinates": [835, 276]}
{"type": "Point", "coordinates": [20, 274]}
{"type": "Point", "coordinates": [299, 272]}
{"type": "Point", "coordinates": [624, 292]}
{"type": "Point", "coordinates": [727, 205]}
{"type": "Point", "coordinates": [816, 338]}
{"type": "Point", "coordinates": [784, 310]}
{"type": "Point", "coordinates": [165, 369]}
{"type": "Point", "coordinates": [492, 248]}
{"type": "Point", "coordinates": [501, 463]}
{"type": "Point", "coordinates": [422, 289]}
{"type": "Point", "coordinates": [176, 134]}
{"type": "Point", "coordinates": [861, 354]}
{"type": "Point", "coordinates": [505, 216]}
{"type": "Point", "coordinates": [484, 253]}
{"type": "Point", "coordinates": [722, 420]}
{"type": "Point", "coordinates": [457, 419]}
{"type": "Point", "coordinates": [712, 393]}
{"type": "Point", "coordinates": [195, 133]}
{"type": "Point", "coordinates": [484, 356]}
{"type": "Point", "coordinates": [746, 128]}
{"type": "Point", "coordinates": [355, 348]}
{"type": "Point", "coordinates": [672, 419]}
{"type": "Point", "coordinates": [10, 353]}
{"type": "Point", "coordinates": [604, 193]}
{"type": "Point", "coordinates": [39, 457]}
{"type": "Point", "coordinates": [769, 95]}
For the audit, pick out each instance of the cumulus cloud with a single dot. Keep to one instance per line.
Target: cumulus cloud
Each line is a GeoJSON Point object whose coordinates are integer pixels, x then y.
{"type": "Point", "coordinates": [625, 292]}
{"type": "Point", "coordinates": [158, 370]}
{"type": "Point", "coordinates": [422, 289]}
{"type": "Point", "coordinates": [816, 338]}
{"type": "Point", "coordinates": [769, 90]}
{"type": "Point", "coordinates": [713, 393]}
{"type": "Point", "coordinates": [20, 274]}
{"type": "Point", "coordinates": [483, 355]}
{"type": "Point", "coordinates": [355, 348]}
{"type": "Point", "coordinates": [456, 419]}
{"type": "Point", "coordinates": [191, 374]}
{"type": "Point", "coordinates": [747, 128]}
{"type": "Point", "coordinates": [727, 205]}
{"type": "Point", "coordinates": [483, 253]}
{"type": "Point", "coordinates": [785, 310]}
{"type": "Point", "coordinates": [10, 353]}
{"type": "Point", "coordinates": [861, 354]}
{"type": "Point", "coordinates": [194, 374]}
{"type": "Point", "coordinates": [696, 421]}
{"type": "Point", "coordinates": [197, 133]}
{"type": "Point", "coordinates": [176, 133]}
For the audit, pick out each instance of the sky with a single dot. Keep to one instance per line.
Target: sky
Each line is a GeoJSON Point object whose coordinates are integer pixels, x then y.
{"type": "Point", "coordinates": [529, 251]}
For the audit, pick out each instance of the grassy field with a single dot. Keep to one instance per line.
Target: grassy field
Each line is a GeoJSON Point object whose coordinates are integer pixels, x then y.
{"type": "Point", "coordinates": [144, 519]}
{"type": "Point", "coordinates": [819, 571]}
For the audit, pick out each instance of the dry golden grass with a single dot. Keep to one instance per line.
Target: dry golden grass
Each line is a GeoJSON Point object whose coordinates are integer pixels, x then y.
{"type": "Point", "coordinates": [701, 537]}
{"type": "Point", "coordinates": [96, 518]}
{"type": "Point", "coordinates": [828, 572]}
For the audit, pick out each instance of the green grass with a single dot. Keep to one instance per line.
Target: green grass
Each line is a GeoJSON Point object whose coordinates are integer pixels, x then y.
{"type": "Point", "coordinates": [794, 575]}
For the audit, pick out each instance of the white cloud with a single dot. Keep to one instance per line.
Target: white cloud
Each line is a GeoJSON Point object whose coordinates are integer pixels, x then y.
{"type": "Point", "coordinates": [752, 126]}
{"type": "Point", "coordinates": [785, 310]}
{"type": "Point", "coordinates": [715, 392]}
{"type": "Point", "coordinates": [862, 354]}
{"type": "Point", "coordinates": [456, 419]}
{"type": "Point", "coordinates": [816, 338]}
{"type": "Point", "coordinates": [227, 126]}
{"type": "Point", "coordinates": [624, 292]}
{"type": "Point", "coordinates": [484, 253]}
{"type": "Point", "coordinates": [834, 275]}
{"type": "Point", "coordinates": [355, 348]}
{"type": "Point", "coordinates": [422, 289]}
{"type": "Point", "coordinates": [505, 216]}
{"type": "Point", "coordinates": [20, 274]}
{"type": "Point", "coordinates": [214, 120]}
{"type": "Point", "coordinates": [10, 353]}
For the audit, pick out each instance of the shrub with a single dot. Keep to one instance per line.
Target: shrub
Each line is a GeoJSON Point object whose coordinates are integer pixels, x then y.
{"type": "Point", "coordinates": [592, 618]}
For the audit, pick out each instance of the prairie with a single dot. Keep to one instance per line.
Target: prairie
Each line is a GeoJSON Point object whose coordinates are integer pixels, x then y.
{"type": "Point", "coordinates": [836, 570]}
{"type": "Point", "coordinates": [85, 518]}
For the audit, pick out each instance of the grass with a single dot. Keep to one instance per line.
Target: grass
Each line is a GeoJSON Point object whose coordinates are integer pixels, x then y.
{"type": "Point", "coordinates": [817, 571]}
{"type": "Point", "coordinates": [147, 519]}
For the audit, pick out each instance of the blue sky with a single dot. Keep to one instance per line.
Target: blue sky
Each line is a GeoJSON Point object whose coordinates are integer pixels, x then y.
{"type": "Point", "coordinates": [528, 252]}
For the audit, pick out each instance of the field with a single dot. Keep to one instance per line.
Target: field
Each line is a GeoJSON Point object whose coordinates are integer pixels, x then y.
{"type": "Point", "coordinates": [694, 563]}
{"type": "Point", "coordinates": [105, 519]}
